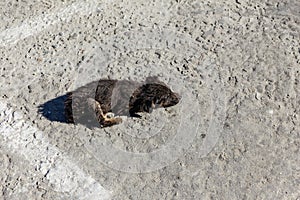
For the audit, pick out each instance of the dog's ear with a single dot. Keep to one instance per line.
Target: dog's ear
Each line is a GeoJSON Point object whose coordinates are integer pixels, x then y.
{"type": "Point", "coordinates": [148, 107]}
{"type": "Point", "coordinates": [154, 79]}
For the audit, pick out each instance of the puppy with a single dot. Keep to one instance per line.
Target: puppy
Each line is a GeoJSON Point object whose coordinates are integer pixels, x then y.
{"type": "Point", "coordinates": [98, 102]}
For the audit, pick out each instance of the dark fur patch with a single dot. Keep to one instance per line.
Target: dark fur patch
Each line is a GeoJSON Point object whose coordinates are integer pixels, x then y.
{"type": "Point", "coordinates": [151, 95]}
{"type": "Point", "coordinates": [119, 97]}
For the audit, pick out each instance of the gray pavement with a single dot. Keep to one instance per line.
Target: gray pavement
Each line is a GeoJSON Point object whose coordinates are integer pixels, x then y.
{"type": "Point", "coordinates": [234, 135]}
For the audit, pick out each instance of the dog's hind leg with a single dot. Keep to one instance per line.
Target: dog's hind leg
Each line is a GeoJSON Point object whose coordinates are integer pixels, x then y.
{"type": "Point", "coordinates": [105, 120]}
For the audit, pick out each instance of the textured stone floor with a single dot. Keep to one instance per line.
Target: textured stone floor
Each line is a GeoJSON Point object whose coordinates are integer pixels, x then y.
{"type": "Point", "coordinates": [234, 135]}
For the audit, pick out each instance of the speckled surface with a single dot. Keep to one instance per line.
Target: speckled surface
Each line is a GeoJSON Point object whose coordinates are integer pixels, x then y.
{"type": "Point", "coordinates": [236, 63]}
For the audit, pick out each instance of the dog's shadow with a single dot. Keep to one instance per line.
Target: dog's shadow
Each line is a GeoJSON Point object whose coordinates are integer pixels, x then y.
{"type": "Point", "coordinates": [53, 109]}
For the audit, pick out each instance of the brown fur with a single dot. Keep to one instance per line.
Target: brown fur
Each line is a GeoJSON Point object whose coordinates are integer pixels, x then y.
{"type": "Point", "coordinates": [103, 98]}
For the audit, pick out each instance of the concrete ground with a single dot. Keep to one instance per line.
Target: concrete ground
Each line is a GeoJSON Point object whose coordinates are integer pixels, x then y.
{"type": "Point", "coordinates": [234, 135]}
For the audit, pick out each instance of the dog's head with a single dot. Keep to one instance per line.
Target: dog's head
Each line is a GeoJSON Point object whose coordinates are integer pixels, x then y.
{"type": "Point", "coordinates": [153, 94]}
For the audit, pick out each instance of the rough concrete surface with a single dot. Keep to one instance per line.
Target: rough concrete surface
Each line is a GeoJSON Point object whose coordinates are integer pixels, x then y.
{"type": "Point", "coordinates": [234, 135]}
